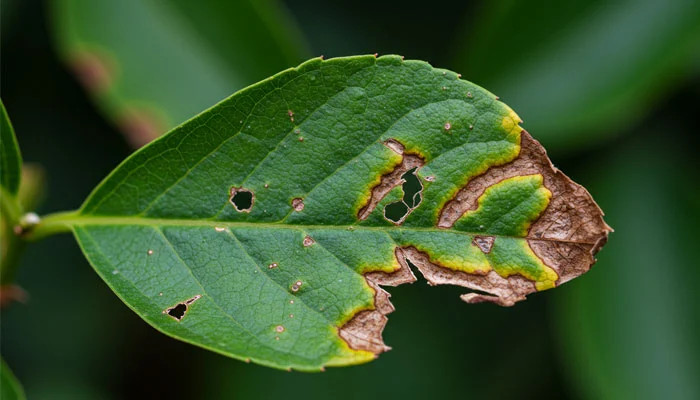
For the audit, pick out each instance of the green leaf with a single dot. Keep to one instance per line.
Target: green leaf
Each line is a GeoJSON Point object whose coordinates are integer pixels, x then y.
{"type": "Point", "coordinates": [260, 229]}
{"type": "Point", "coordinates": [585, 69]}
{"type": "Point", "coordinates": [152, 64]}
{"type": "Point", "coordinates": [10, 388]}
{"type": "Point", "coordinates": [11, 165]}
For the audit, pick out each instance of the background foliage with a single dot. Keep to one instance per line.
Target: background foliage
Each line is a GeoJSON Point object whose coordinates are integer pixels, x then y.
{"type": "Point", "coordinates": [611, 88]}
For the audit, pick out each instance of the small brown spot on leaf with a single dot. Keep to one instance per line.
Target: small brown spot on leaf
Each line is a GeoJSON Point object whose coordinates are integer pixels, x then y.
{"type": "Point", "coordinates": [279, 329]}
{"type": "Point", "coordinates": [219, 228]}
{"type": "Point", "coordinates": [430, 178]}
{"type": "Point", "coordinates": [272, 266]}
{"type": "Point", "coordinates": [298, 204]}
{"type": "Point", "coordinates": [296, 286]}
{"type": "Point", "coordinates": [149, 252]}
{"type": "Point", "coordinates": [484, 243]}
{"type": "Point", "coordinates": [242, 199]}
{"type": "Point", "coordinates": [308, 241]}
{"type": "Point", "coordinates": [469, 94]}
{"type": "Point", "coordinates": [448, 126]}
{"type": "Point", "coordinates": [291, 115]}
{"type": "Point", "coordinates": [291, 315]}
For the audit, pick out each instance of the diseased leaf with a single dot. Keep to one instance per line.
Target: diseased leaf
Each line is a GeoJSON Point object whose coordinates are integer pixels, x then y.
{"type": "Point", "coordinates": [152, 64]}
{"type": "Point", "coordinates": [11, 159]}
{"type": "Point", "coordinates": [264, 228]}
{"type": "Point", "coordinates": [10, 388]}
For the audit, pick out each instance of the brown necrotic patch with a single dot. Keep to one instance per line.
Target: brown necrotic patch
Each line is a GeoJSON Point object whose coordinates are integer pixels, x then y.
{"type": "Point", "coordinates": [308, 241]}
{"type": "Point", "coordinates": [569, 232]}
{"type": "Point", "coordinates": [565, 237]}
{"type": "Point", "coordinates": [484, 243]}
{"type": "Point", "coordinates": [364, 330]}
{"type": "Point", "coordinates": [298, 204]}
{"type": "Point", "coordinates": [178, 311]}
{"type": "Point", "coordinates": [241, 199]}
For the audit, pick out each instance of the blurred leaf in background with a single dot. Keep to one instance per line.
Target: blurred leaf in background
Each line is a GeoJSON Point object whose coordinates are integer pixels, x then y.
{"type": "Point", "coordinates": [152, 64]}
{"type": "Point", "coordinates": [10, 388]}
{"type": "Point", "coordinates": [580, 71]}
{"type": "Point", "coordinates": [630, 330]}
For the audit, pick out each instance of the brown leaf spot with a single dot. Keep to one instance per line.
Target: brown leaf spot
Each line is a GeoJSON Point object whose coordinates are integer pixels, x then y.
{"type": "Point", "coordinates": [484, 243]}
{"type": "Point", "coordinates": [296, 286]}
{"type": "Point", "coordinates": [364, 330]}
{"type": "Point", "coordinates": [308, 241]}
{"type": "Point", "coordinates": [272, 265]}
{"type": "Point", "coordinates": [279, 329]}
{"type": "Point", "coordinates": [241, 199]}
{"type": "Point", "coordinates": [298, 204]}
{"type": "Point", "coordinates": [571, 229]}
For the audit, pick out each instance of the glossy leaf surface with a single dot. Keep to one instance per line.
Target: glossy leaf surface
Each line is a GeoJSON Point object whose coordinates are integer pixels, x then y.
{"type": "Point", "coordinates": [261, 228]}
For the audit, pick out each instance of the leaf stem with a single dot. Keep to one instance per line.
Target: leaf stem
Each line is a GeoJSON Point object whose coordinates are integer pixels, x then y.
{"type": "Point", "coordinates": [51, 224]}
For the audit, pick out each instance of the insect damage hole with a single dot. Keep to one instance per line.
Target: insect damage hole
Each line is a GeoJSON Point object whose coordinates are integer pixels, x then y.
{"type": "Point", "coordinates": [412, 188]}
{"type": "Point", "coordinates": [178, 311]}
{"type": "Point", "coordinates": [241, 199]}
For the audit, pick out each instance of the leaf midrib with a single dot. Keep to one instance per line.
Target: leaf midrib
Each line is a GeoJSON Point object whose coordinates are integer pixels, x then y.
{"type": "Point", "coordinates": [75, 219]}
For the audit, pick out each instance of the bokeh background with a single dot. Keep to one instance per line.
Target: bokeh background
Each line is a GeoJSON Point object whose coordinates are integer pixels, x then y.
{"type": "Point", "coordinates": [611, 88]}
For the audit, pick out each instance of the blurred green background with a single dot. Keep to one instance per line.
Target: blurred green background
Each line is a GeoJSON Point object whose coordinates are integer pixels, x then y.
{"type": "Point", "coordinates": [611, 88]}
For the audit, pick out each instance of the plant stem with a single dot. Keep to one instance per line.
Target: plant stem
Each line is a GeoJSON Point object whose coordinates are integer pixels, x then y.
{"type": "Point", "coordinates": [50, 225]}
{"type": "Point", "coordinates": [10, 211]}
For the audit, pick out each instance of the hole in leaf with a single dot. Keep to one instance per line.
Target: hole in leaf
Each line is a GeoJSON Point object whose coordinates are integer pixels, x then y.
{"type": "Point", "coordinates": [411, 189]}
{"type": "Point", "coordinates": [397, 211]}
{"type": "Point", "coordinates": [242, 199]}
{"type": "Point", "coordinates": [178, 311]}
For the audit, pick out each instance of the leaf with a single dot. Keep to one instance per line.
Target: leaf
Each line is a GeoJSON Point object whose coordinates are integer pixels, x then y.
{"type": "Point", "coordinates": [585, 68]}
{"type": "Point", "coordinates": [10, 388]}
{"type": "Point", "coordinates": [153, 64]}
{"type": "Point", "coordinates": [11, 165]}
{"type": "Point", "coordinates": [258, 230]}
